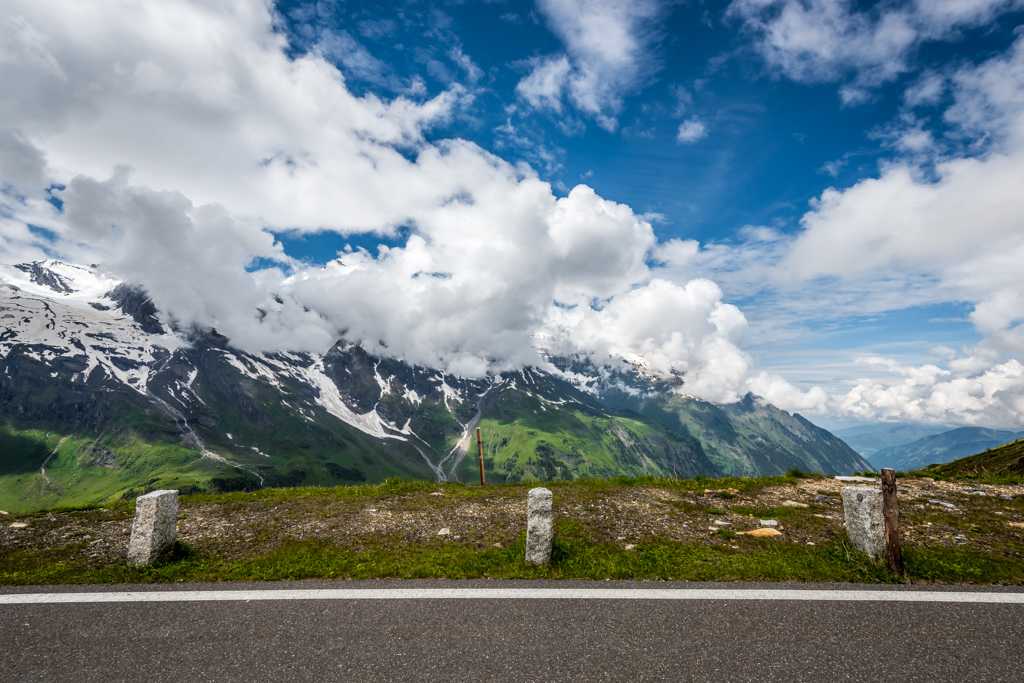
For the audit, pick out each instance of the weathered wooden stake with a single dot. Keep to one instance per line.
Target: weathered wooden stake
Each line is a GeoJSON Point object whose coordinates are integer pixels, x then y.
{"type": "Point", "coordinates": [891, 515]}
{"type": "Point", "coordinates": [480, 452]}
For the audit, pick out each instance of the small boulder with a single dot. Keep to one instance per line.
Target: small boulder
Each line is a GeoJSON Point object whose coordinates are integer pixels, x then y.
{"type": "Point", "coordinates": [769, 522]}
{"type": "Point", "coordinates": [444, 532]}
{"type": "Point", "coordinates": [793, 504]}
{"type": "Point", "coordinates": [761, 533]}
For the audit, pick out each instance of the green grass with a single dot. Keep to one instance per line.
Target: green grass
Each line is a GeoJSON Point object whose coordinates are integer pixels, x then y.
{"type": "Point", "coordinates": [573, 558]}
{"type": "Point", "coordinates": [93, 469]}
{"type": "Point", "coordinates": [582, 547]}
{"type": "Point", "coordinates": [1002, 465]}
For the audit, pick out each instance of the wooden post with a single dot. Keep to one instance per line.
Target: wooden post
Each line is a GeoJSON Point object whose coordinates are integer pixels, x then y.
{"type": "Point", "coordinates": [891, 515]}
{"type": "Point", "coordinates": [480, 452]}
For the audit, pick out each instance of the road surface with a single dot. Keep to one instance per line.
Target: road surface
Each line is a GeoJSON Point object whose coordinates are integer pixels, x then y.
{"type": "Point", "coordinates": [409, 631]}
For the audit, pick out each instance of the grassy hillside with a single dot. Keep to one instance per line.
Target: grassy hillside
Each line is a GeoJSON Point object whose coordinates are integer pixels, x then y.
{"type": "Point", "coordinates": [86, 469]}
{"type": "Point", "coordinates": [1005, 463]}
{"type": "Point", "coordinates": [937, 449]}
{"type": "Point", "coordinates": [529, 438]}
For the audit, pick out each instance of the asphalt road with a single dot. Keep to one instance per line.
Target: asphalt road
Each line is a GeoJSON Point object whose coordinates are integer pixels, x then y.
{"type": "Point", "coordinates": [508, 639]}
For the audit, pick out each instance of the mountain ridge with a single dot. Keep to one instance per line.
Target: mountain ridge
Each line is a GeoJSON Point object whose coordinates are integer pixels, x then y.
{"type": "Point", "coordinates": [86, 358]}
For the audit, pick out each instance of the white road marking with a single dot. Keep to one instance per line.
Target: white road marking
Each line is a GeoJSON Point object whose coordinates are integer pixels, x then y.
{"type": "Point", "coordinates": [728, 594]}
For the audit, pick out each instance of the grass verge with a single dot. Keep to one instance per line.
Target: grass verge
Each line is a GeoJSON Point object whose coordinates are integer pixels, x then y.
{"type": "Point", "coordinates": [648, 529]}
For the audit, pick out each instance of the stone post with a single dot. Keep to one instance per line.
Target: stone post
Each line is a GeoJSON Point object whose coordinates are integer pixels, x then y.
{"type": "Point", "coordinates": [155, 526]}
{"type": "Point", "coordinates": [539, 526]}
{"type": "Point", "coordinates": [865, 525]}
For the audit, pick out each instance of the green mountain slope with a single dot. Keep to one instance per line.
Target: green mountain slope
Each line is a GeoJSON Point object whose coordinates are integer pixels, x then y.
{"type": "Point", "coordinates": [747, 438]}
{"type": "Point", "coordinates": [1003, 461]}
{"type": "Point", "coordinates": [942, 448]}
{"type": "Point", "coordinates": [100, 400]}
{"type": "Point", "coordinates": [553, 432]}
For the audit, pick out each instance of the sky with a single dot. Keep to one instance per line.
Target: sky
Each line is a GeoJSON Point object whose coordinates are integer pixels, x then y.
{"type": "Point", "coordinates": [820, 202]}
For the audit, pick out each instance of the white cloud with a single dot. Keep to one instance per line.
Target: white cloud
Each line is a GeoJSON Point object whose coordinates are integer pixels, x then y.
{"type": "Point", "coordinates": [226, 137]}
{"type": "Point", "coordinates": [543, 87]}
{"type": "Point", "coordinates": [606, 44]}
{"type": "Point", "coordinates": [691, 130]}
{"type": "Point", "coordinates": [667, 327]}
{"type": "Point", "coordinates": [816, 41]}
{"type": "Point", "coordinates": [201, 98]}
{"type": "Point", "coordinates": [945, 229]}
{"type": "Point", "coordinates": [993, 396]}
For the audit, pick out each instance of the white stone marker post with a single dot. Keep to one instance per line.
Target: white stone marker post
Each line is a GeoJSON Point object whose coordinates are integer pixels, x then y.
{"type": "Point", "coordinates": [865, 525]}
{"type": "Point", "coordinates": [155, 526]}
{"type": "Point", "coordinates": [539, 526]}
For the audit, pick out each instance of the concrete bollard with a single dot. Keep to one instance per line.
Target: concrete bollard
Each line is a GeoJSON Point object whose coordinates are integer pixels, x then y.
{"type": "Point", "coordinates": [155, 526]}
{"type": "Point", "coordinates": [539, 526]}
{"type": "Point", "coordinates": [862, 507]}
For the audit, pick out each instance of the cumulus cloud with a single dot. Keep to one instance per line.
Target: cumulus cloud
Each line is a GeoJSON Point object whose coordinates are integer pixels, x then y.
{"type": "Point", "coordinates": [543, 87]}
{"type": "Point", "coordinates": [667, 328]}
{"type": "Point", "coordinates": [946, 229]}
{"type": "Point", "coordinates": [690, 131]}
{"type": "Point", "coordinates": [182, 134]}
{"type": "Point", "coordinates": [202, 98]}
{"type": "Point", "coordinates": [961, 393]}
{"type": "Point", "coordinates": [606, 56]}
{"type": "Point", "coordinates": [816, 41]}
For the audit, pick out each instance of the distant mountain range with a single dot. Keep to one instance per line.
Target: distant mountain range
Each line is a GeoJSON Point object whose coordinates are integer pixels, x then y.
{"type": "Point", "coordinates": [869, 439]}
{"type": "Point", "coordinates": [100, 399]}
{"type": "Point", "coordinates": [942, 448]}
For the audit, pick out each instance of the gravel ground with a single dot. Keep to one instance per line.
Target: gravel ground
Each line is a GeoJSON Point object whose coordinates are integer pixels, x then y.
{"type": "Point", "coordinates": [808, 513]}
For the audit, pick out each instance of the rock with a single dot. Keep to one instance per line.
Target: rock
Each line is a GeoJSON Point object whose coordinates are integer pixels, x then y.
{"type": "Point", "coordinates": [856, 479]}
{"type": "Point", "coordinates": [1006, 497]}
{"type": "Point", "coordinates": [820, 499]}
{"type": "Point", "coordinates": [721, 522]}
{"type": "Point", "coordinates": [19, 525]}
{"type": "Point", "coordinates": [2, 512]}
{"type": "Point", "coordinates": [437, 493]}
{"type": "Point", "coordinates": [793, 504]}
{"type": "Point", "coordinates": [444, 532]}
{"type": "Point", "coordinates": [721, 493]}
{"type": "Point", "coordinates": [155, 526]}
{"type": "Point", "coordinates": [761, 533]}
{"type": "Point", "coordinates": [539, 526]}
{"type": "Point", "coordinates": [943, 503]}
{"type": "Point", "coordinates": [862, 508]}
{"type": "Point", "coordinates": [975, 492]}
{"type": "Point", "coordinates": [630, 546]}
{"type": "Point", "coordinates": [769, 522]}
{"type": "Point", "coordinates": [1017, 524]}
{"type": "Point", "coordinates": [810, 542]}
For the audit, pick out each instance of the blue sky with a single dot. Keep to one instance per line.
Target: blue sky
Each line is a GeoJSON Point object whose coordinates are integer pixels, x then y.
{"type": "Point", "coordinates": [771, 142]}
{"type": "Point", "coordinates": [813, 200]}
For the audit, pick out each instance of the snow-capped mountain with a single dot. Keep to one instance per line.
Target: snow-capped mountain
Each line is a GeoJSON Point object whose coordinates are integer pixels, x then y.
{"type": "Point", "coordinates": [99, 398]}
